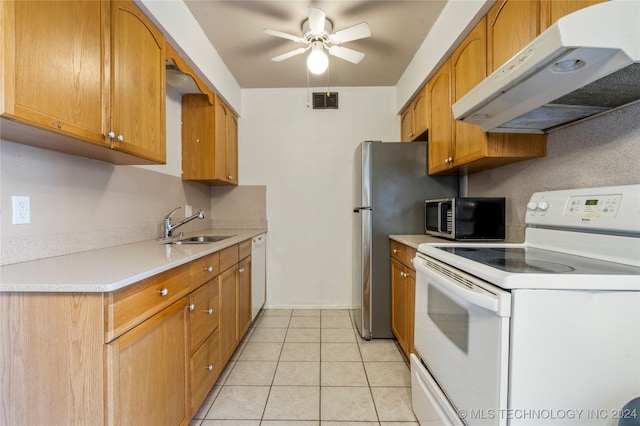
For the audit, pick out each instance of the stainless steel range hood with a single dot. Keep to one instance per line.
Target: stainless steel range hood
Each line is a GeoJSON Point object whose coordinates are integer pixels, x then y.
{"type": "Point", "coordinates": [585, 64]}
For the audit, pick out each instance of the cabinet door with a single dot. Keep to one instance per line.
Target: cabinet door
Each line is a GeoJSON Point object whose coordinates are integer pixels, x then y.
{"type": "Point", "coordinates": [53, 74]}
{"type": "Point", "coordinates": [406, 124]}
{"type": "Point", "coordinates": [203, 313]}
{"type": "Point", "coordinates": [468, 68]}
{"type": "Point", "coordinates": [232, 148]}
{"type": "Point", "coordinates": [226, 156]}
{"type": "Point", "coordinates": [146, 370]}
{"type": "Point", "coordinates": [552, 10]}
{"type": "Point", "coordinates": [419, 109]}
{"type": "Point", "coordinates": [137, 83]}
{"type": "Point", "coordinates": [198, 138]}
{"type": "Point", "coordinates": [511, 25]}
{"type": "Point", "coordinates": [228, 315]}
{"type": "Point", "coordinates": [441, 119]}
{"type": "Point", "coordinates": [244, 297]}
{"type": "Point", "coordinates": [399, 302]}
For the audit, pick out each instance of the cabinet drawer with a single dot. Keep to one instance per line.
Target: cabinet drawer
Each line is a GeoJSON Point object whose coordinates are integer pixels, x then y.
{"type": "Point", "coordinates": [205, 369]}
{"type": "Point", "coordinates": [131, 305]}
{"type": "Point", "coordinates": [228, 257]}
{"type": "Point", "coordinates": [402, 253]}
{"type": "Point", "coordinates": [244, 249]}
{"type": "Point", "coordinates": [203, 313]}
{"type": "Point", "coordinates": [204, 269]}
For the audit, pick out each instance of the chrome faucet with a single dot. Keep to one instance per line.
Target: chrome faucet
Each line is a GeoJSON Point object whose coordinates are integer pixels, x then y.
{"type": "Point", "coordinates": [169, 227]}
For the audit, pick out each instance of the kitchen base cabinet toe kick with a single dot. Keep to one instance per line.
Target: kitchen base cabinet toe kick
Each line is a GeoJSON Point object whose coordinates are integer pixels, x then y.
{"type": "Point", "coordinates": [148, 353]}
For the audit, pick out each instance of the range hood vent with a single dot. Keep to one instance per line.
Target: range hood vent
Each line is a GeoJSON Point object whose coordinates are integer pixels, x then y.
{"type": "Point", "coordinates": [586, 64]}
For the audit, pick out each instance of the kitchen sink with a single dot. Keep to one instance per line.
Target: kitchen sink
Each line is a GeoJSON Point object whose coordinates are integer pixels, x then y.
{"type": "Point", "coordinates": [201, 239]}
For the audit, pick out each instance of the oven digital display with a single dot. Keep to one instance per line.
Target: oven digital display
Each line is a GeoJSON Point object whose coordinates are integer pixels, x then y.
{"type": "Point", "coordinates": [591, 202]}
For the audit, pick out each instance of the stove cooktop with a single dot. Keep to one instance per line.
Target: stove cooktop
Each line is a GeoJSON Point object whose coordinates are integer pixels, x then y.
{"type": "Point", "coordinates": [530, 260]}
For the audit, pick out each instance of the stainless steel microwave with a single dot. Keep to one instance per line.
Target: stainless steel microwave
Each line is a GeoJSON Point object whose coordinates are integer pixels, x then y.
{"type": "Point", "coordinates": [466, 218]}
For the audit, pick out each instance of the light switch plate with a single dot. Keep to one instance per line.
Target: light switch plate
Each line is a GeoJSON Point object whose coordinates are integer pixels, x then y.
{"type": "Point", "coordinates": [21, 206]}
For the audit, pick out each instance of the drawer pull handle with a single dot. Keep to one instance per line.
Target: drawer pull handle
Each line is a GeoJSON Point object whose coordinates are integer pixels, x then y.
{"type": "Point", "coordinates": [395, 251]}
{"type": "Point", "coordinates": [163, 292]}
{"type": "Point", "coordinates": [209, 311]}
{"type": "Point", "coordinates": [209, 367]}
{"type": "Point", "coordinates": [241, 270]}
{"type": "Point", "coordinates": [209, 269]}
{"type": "Point", "coordinates": [192, 307]}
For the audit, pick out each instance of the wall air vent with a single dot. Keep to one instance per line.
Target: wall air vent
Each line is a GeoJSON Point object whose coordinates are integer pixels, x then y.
{"type": "Point", "coordinates": [325, 100]}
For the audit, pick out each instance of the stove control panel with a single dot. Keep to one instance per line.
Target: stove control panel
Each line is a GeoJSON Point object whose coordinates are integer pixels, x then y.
{"type": "Point", "coordinates": [613, 208]}
{"type": "Point", "coordinates": [593, 206]}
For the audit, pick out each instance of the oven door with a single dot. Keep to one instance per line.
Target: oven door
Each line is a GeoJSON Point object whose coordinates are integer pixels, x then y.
{"type": "Point", "coordinates": [462, 337]}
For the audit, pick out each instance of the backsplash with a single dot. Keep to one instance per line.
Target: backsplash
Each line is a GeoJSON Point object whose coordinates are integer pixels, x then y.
{"type": "Point", "coordinates": [79, 204]}
{"type": "Point", "coordinates": [603, 151]}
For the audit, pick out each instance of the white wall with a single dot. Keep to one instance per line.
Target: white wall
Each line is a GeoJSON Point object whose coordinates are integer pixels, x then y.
{"type": "Point", "coordinates": [305, 157]}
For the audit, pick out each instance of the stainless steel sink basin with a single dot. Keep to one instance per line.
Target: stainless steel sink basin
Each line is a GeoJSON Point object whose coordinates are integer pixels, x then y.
{"type": "Point", "coordinates": [201, 239]}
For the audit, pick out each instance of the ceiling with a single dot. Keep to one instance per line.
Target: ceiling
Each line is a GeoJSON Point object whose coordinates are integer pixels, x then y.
{"type": "Point", "coordinates": [234, 28]}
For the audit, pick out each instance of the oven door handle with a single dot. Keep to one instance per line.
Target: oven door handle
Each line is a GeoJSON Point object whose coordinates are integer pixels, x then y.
{"type": "Point", "coordinates": [474, 294]}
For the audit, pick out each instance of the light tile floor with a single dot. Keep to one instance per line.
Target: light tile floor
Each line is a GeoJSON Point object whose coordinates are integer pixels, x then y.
{"type": "Point", "coordinates": [310, 367]}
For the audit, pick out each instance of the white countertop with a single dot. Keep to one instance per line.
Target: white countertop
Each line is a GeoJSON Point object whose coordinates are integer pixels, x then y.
{"type": "Point", "coordinates": [415, 240]}
{"type": "Point", "coordinates": [111, 268]}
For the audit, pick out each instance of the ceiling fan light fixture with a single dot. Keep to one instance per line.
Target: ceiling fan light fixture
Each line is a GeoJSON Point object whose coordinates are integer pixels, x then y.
{"type": "Point", "coordinates": [317, 61]}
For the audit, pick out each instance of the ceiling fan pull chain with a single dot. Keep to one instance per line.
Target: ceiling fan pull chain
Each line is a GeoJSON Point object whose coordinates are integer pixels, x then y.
{"type": "Point", "coordinates": [308, 91]}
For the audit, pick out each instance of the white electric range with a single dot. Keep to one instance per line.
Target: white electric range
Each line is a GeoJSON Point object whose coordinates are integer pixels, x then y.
{"type": "Point", "coordinates": [542, 333]}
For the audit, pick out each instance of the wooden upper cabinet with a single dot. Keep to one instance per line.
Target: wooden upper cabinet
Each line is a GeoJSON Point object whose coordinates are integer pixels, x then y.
{"type": "Point", "coordinates": [406, 124]}
{"type": "Point", "coordinates": [77, 76]}
{"type": "Point", "coordinates": [209, 141]}
{"type": "Point", "coordinates": [52, 74]}
{"type": "Point", "coordinates": [226, 144]}
{"type": "Point", "coordinates": [468, 68]}
{"type": "Point", "coordinates": [552, 10]}
{"type": "Point", "coordinates": [138, 83]}
{"type": "Point", "coordinates": [511, 25]}
{"type": "Point", "coordinates": [441, 119]}
{"type": "Point", "coordinates": [414, 118]}
{"type": "Point", "coordinates": [470, 149]}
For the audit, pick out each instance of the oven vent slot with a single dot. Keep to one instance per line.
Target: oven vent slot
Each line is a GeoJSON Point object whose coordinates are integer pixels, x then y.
{"type": "Point", "coordinates": [449, 273]}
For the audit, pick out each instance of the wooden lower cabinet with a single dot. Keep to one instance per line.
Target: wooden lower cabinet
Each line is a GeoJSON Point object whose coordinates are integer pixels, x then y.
{"type": "Point", "coordinates": [146, 371]}
{"type": "Point", "coordinates": [244, 297]}
{"type": "Point", "coordinates": [235, 297]}
{"type": "Point", "coordinates": [228, 309]}
{"type": "Point", "coordinates": [403, 285]}
{"type": "Point", "coordinates": [205, 368]}
{"type": "Point", "coordinates": [148, 353]}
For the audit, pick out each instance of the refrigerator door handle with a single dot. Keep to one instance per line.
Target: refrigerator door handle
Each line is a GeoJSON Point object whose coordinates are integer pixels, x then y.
{"type": "Point", "coordinates": [358, 209]}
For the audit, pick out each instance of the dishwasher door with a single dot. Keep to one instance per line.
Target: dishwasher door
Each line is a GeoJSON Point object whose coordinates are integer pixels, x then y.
{"type": "Point", "coordinates": [258, 273]}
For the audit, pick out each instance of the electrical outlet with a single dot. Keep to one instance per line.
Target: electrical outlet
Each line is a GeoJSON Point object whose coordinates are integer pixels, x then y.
{"type": "Point", "coordinates": [21, 210]}
{"type": "Point", "coordinates": [188, 210]}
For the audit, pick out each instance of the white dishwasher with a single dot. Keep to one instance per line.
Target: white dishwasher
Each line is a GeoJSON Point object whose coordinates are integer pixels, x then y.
{"type": "Point", "coordinates": [258, 273]}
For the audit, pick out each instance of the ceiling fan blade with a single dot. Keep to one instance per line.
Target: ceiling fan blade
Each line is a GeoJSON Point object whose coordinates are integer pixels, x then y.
{"type": "Point", "coordinates": [280, 34]}
{"type": "Point", "coordinates": [355, 32]}
{"type": "Point", "coordinates": [289, 54]}
{"type": "Point", "coordinates": [316, 20]}
{"type": "Point", "coordinates": [347, 54]}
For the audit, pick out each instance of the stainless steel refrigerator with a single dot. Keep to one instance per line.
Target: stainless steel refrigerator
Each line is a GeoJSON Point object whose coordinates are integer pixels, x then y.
{"type": "Point", "coordinates": [391, 185]}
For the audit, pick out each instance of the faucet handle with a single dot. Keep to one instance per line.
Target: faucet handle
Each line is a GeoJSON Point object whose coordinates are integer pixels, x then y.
{"type": "Point", "coordinates": [168, 217]}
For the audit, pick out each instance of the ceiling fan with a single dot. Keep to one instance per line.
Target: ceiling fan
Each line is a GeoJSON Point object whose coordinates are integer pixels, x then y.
{"type": "Point", "coordinates": [318, 36]}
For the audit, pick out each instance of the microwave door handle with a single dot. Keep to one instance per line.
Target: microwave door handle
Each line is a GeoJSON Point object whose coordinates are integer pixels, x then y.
{"type": "Point", "coordinates": [439, 217]}
{"type": "Point", "coordinates": [482, 300]}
